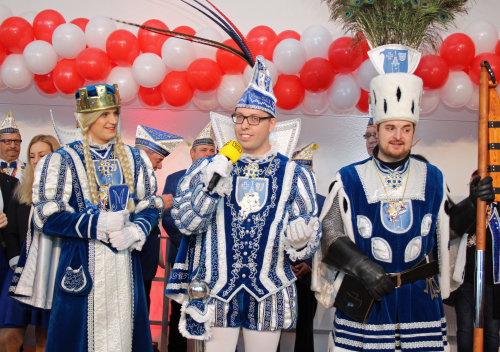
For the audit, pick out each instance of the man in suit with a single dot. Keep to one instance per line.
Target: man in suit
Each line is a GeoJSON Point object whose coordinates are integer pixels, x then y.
{"type": "Point", "coordinates": [10, 147]}
{"type": "Point", "coordinates": [203, 147]}
{"type": "Point", "coordinates": [157, 145]}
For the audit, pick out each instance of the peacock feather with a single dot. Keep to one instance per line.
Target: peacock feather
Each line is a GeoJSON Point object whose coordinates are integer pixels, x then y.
{"type": "Point", "coordinates": [408, 22]}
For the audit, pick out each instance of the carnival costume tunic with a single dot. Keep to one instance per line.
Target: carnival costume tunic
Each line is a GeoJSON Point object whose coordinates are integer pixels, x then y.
{"type": "Point", "coordinates": [98, 300]}
{"type": "Point", "coordinates": [397, 218]}
{"type": "Point", "coordinates": [237, 244]}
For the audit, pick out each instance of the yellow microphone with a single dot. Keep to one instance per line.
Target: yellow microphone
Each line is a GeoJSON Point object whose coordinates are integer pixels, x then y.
{"type": "Point", "coordinates": [232, 151]}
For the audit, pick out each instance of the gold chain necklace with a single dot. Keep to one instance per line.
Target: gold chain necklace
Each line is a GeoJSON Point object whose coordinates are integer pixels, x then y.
{"type": "Point", "coordinates": [394, 208]}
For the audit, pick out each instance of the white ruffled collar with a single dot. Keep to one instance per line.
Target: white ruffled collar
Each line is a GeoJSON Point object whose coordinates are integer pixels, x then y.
{"type": "Point", "coordinates": [261, 158]}
{"type": "Point", "coordinates": [98, 146]}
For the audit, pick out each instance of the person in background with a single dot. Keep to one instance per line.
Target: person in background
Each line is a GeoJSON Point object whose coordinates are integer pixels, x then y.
{"type": "Point", "coordinates": [463, 220]}
{"type": "Point", "coordinates": [306, 301]}
{"type": "Point", "coordinates": [157, 145]}
{"type": "Point", "coordinates": [10, 148]}
{"type": "Point", "coordinates": [14, 316]}
{"type": "Point", "coordinates": [370, 136]}
{"type": "Point", "coordinates": [203, 147]}
{"type": "Point", "coordinates": [97, 199]}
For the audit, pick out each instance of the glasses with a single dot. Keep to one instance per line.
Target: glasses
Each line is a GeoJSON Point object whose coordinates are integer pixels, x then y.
{"type": "Point", "coordinates": [368, 135]}
{"type": "Point", "coordinates": [252, 119]}
{"type": "Point", "coordinates": [10, 141]}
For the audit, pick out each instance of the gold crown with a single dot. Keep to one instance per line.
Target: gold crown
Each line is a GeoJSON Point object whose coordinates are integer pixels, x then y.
{"type": "Point", "coordinates": [102, 101]}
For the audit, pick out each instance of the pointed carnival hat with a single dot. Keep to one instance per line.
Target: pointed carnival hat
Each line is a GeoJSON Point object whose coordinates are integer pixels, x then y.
{"type": "Point", "coordinates": [9, 125]}
{"type": "Point", "coordinates": [157, 141]}
{"type": "Point", "coordinates": [304, 156]}
{"type": "Point", "coordinates": [259, 93]}
{"type": "Point", "coordinates": [370, 123]}
{"type": "Point", "coordinates": [205, 137]}
{"type": "Point", "coordinates": [395, 31]}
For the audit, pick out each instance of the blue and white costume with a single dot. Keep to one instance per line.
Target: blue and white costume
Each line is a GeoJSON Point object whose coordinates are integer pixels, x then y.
{"type": "Point", "coordinates": [95, 293]}
{"type": "Point", "coordinates": [242, 258]}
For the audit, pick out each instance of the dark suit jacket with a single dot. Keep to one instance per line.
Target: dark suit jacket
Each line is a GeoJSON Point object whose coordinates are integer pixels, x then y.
{"type": "Point", "coordinates": [167, 221]}
{"type": "Point", "coordinates": [7, 185]}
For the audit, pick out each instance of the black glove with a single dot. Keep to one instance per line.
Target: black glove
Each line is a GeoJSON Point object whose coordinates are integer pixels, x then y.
{"type": "Point", "coordinates": [346, 256]}
{"type": "Point", "coordinates": [482, 189]}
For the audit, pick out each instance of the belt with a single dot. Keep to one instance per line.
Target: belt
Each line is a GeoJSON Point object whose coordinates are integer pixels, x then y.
{"type": "Point", "coordinates": [421, 271]}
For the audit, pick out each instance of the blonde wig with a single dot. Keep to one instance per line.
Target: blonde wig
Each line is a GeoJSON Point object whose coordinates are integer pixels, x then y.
{"type": "Point", "coordinates": [23, 192]}
{"type": "Point", "coordinates": [85, 120]}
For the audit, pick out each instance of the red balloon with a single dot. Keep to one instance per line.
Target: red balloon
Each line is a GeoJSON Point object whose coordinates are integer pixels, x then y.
{"type": "Point", "coordinates": [15, 34]}
{"type": "Point", "coordinates": [150, 96]}
{"type": "Point", "coordinates": [204, 74]}
{"type": "Point", "coordinates": [3, 53]}
{"type": "Point", "coordinates": [343, 56]}
{"type": "Point", "coordinates": [175, 89]}
{"type": "Point", "coordinates": [458, 51]}
{"type": "Point", "coordinates": [185, 30]}
{"type": "Point", "coordinates": [262, 40]}
{"type": "Point", "coordinates": [122, 47]}
{"type": "Point", "coordinates": [66, 78]}
{"type": "Point", "coordinates": [362, 104]}
{"type": "Point", "coordinates": [474, 67]}
{"type": "Point", "coordinates": [45, 83]}
{"type": "Point", "coordinates": [151, 42]}
{"type": "Point", "coordinates": [433, 70]}
{"type": "Point", "coordinates": [230, 63]}
{"type": "Point", "coordinates": [286, 35]}
{"type": "Point", "coordinates": [363, 44]}
{"type": "Point", "coordinates": [497, 48]}
{"type": "Point", "coordinates": [93, 64]}
{"type": "Point", "coordinates": [45, 23]}
{"type": "Point", "coordinates": [81, 22]}
{"type": "Point", "coordinates": [316, 75]}
{"type": "Point", "coordinates": [289, 92]}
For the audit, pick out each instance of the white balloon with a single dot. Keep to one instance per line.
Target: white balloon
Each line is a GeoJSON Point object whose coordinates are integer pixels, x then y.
{"type": "Point", "coordinates": [230, 90]}
{"type": "Point", "coordinates": [316, 40]}
{"type": "Point", "coordinates": [68, 40]}
{"type": "Point", "coordinates": [457, 91]}
{"type": "Point", "coordinates": [205, 50]}
{"type": "Point", "coordinates": [365, 73]}
{"type": "Point", "coordinates": [206, 101]}
{"type": "Point", "coordinates": [344, 93]}
{"type": "Point", "coordinates": [149, 70]}
{"type": "Point", "coordinates": [178, 54]}
{"type": "Point", "coordinates": [473, 103]}
{"type": "Point", "coordinates": [40, 57]}
{"type": "Point", "coordinates": [484, 35]}
{"type": "Point", "coordinates": [315, 103]}
{"type": "Point", "coordinates": [29, 16]}
{"type": "Point", "coordinates": [5, 13]}
{"type": "Point", "coordinates": [127, 85]}
{"type": "Point", "coordinates": [289, 56]}
{"type": "Point", "coordinates": [430, 101]}
{"type": "Point", "coordinates": [15, 74]}
{"type": "Point", "coordinates": [273, 71]}
{"type": "Point", "coordinates": [97, 32]}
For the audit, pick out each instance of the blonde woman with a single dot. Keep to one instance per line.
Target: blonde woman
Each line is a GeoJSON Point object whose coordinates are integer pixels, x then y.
{"type": "Point", "coordinates": [14, 317]}
{"type": "Point", "coordinates": [98, 197]}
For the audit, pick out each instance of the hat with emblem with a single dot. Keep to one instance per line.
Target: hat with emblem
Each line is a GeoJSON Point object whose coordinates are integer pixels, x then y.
{"type": "Point", "coordinates": [205, 137]}
{"type": "Point", "coordinates": [9, 125]}
{"type": "Point", "coordinates": [259, 94]}
{"type": "Point", "coordinates": [304, 156]}
{"type": "Point", "coordinates": [157, 141]}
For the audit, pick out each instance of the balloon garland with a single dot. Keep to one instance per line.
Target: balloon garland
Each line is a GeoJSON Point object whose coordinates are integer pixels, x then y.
{"type": "Point", "coordinates": [310, 71]}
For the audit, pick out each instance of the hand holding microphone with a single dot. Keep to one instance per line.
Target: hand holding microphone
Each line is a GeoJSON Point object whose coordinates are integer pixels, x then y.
{"type": "Point", "coordinates": [221, 165]}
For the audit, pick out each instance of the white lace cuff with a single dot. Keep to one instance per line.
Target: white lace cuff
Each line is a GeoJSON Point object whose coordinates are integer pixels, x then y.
{"type": "Point", "coordinates": [101, 234]}
{"type": "Point", "coordinates": [140, 238]}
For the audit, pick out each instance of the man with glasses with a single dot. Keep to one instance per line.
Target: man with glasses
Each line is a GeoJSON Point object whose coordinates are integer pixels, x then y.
{"type": "Point", "coordinates": [243, 235]}
{"type": "Point", "coordinates": [10, 147]}
{"type": "Point", "coordinates": [370, 137]}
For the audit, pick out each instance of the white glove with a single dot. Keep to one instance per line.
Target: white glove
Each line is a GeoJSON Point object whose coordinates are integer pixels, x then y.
{"type": "Point", "coordinates": [110, 222]}
{"type": "Point", "coordinates": [126, 237]}
{"type": "Point", "coordinates": [299, 232]}
{"type": "Point", "coordinates": [222, 166]}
